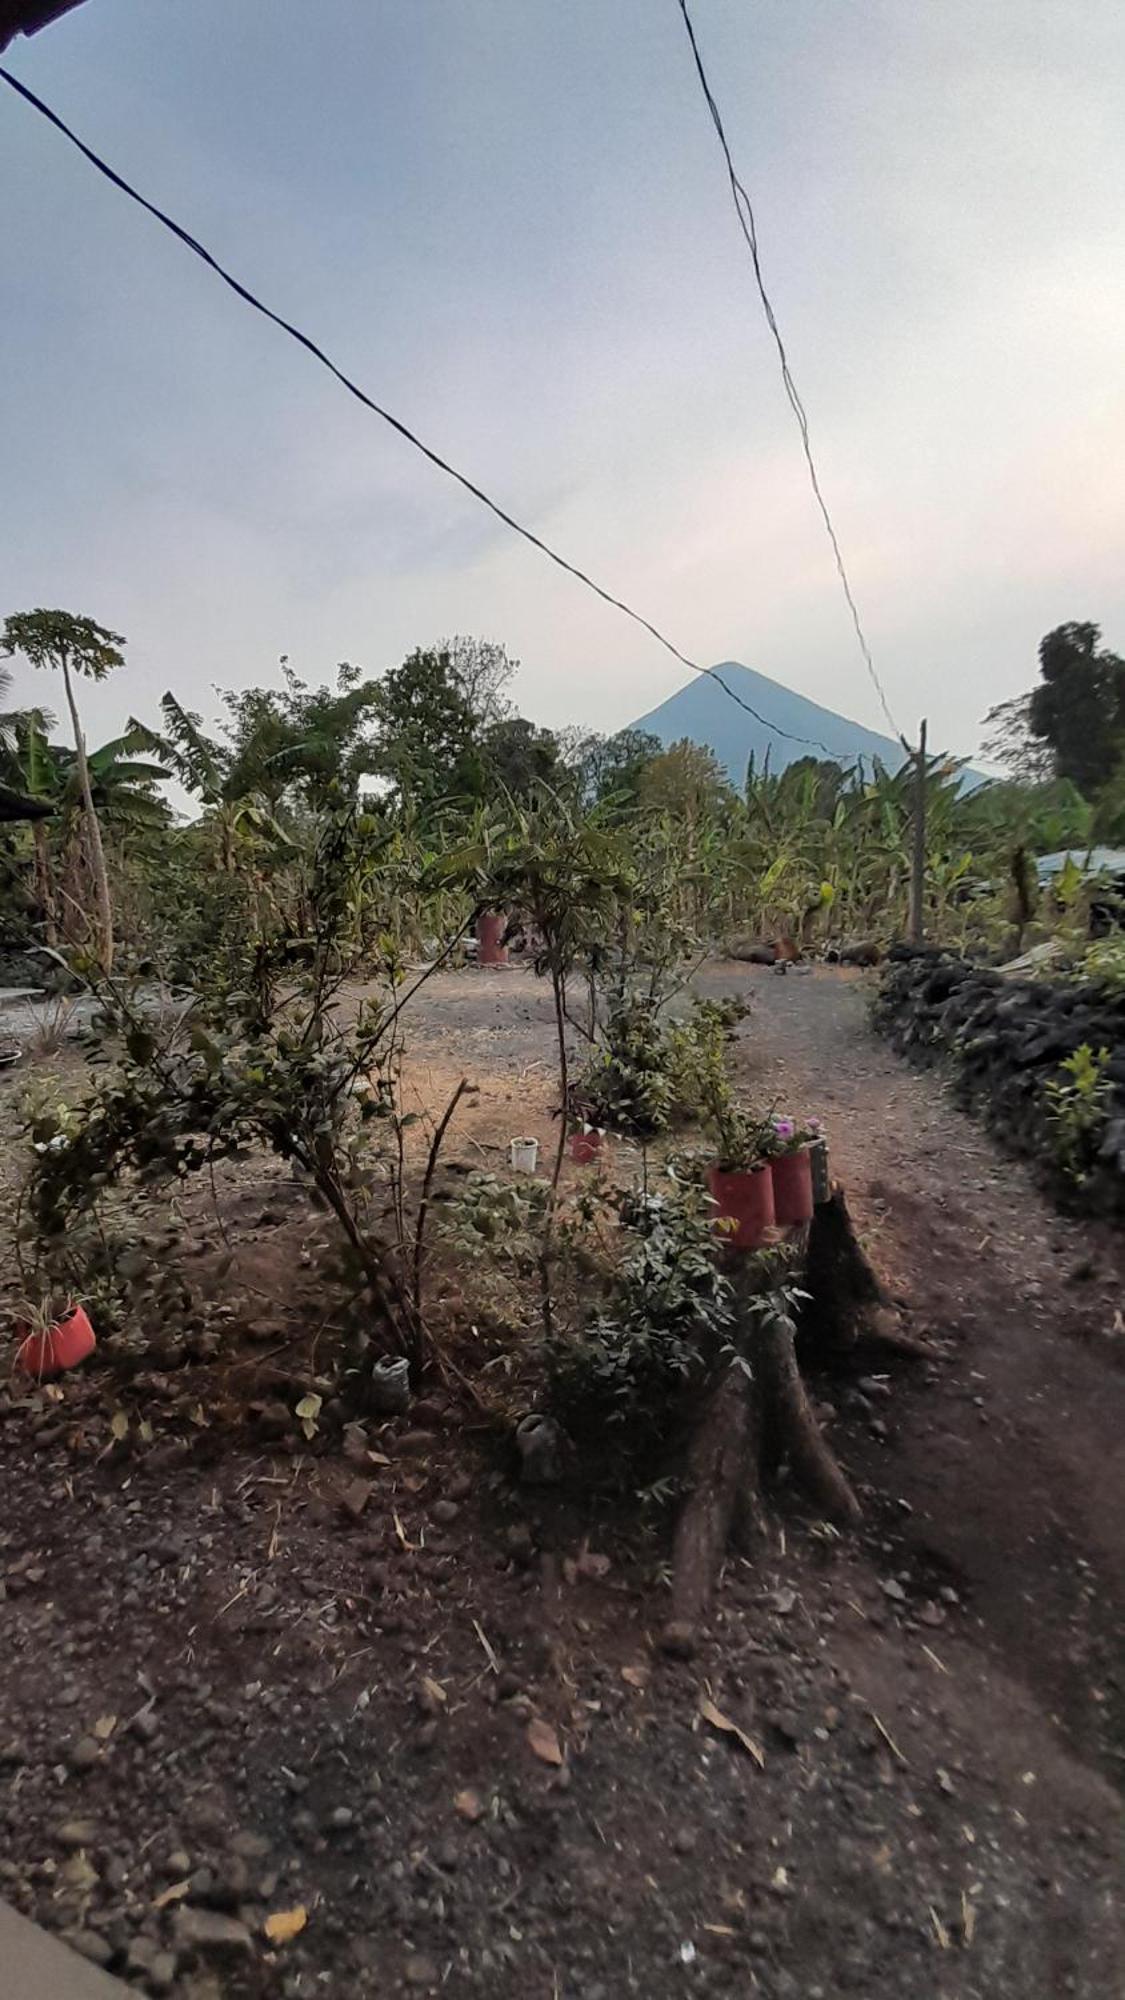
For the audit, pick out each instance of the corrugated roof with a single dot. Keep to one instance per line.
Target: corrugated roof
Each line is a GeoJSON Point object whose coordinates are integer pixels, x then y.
{"type": "Point", "coordinates": [1091, 861]}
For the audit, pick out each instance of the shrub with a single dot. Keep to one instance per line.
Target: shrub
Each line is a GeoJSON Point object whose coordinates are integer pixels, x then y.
{"type": "Point", "coordinates": [626, 1376]}
{"type": "Point", "coordinates": [1078, 1101]}
{"type": "Point", "coordinates": [649, 1075]}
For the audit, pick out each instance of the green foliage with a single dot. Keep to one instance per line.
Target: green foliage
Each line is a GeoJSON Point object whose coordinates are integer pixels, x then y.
{"type": "Point", "coordinates": [1078, 708]}
{"type": "Point", "coordinates": [433, 713]}
{"type": "Point", "coordinates": [274, 1065]}
{"type": "Point", "coordinates": [1103, 963]}
{"type": "Point", "coordinates": [515, 757]}
{"type": "Point", "coordinates": [687, 782]}
{"type": "Point", "coordinates": [63, 640]}
{"type": "Point", "coordinates": [1078, 1102]}
{"type": "Point", "coordinates": [607, 770]}
{"type": "Point", "coordinates": [628, 1375]}
{"type": "Point", "coordinates": [646, 1074]}
{"type": "Point", "coordinates": [628, 1084]}
{"type": "Point", "coordinates": [493, 1219]}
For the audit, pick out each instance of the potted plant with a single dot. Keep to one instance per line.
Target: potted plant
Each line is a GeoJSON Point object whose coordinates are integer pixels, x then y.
{"type": "Point", "coordinates": [53, 1338]}
{"type": "Point", "coordinates": [586, 1142]}
{"type": "Point", "coordinates": [791, 1168]}
{"type": "Point", "coordinates": [590, 1108]}
{"type": "Point", "coordinates": [491, 949]}
{"type": "Point", "coordinates": [740, 1181]}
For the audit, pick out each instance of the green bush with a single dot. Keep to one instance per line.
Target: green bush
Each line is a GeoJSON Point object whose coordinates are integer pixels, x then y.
{"type": "Point", "coordinates": [627, 1376]}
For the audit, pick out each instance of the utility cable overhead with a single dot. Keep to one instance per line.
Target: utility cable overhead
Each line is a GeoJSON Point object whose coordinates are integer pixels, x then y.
{"type": "Point", "coordinates": [745, 212]}
{"type": "Point", "coordinates": [304, 340]}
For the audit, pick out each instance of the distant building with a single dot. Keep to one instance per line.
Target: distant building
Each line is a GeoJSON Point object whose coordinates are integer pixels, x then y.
{"type": "Point", "coordinates": [1090, 861]}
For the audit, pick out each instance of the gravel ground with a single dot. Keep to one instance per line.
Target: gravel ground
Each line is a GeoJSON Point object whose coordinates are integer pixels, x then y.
{"type": "Point", "coordinates": [373, 1686]}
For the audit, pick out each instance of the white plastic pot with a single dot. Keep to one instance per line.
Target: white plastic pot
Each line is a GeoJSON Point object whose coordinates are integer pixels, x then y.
{"type": "Point", "coordinates": [390, 1385]}
{"type": "Point", "coordinates": [523, 1155]}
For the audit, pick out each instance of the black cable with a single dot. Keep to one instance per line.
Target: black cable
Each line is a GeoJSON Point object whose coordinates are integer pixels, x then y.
{"type": "Point", "coordinates": [745, 212]}
{"type": "Point", "coordinates": [478, 493]}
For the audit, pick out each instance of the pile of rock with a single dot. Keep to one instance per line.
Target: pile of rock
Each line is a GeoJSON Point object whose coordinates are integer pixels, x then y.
{"type": "Point", "coordinates": [1004, 1039]}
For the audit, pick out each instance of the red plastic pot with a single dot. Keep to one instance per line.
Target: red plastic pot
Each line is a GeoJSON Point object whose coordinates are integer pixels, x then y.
{"type": "Point", "coordinates": [743, 1204]}
{"type": "Point", "coordinates": [585, 1146]}
{"type": "Point", "coordinates": [64, 1345]}
{"type": "Point", "coordinates": [490, 930]}
{"type": "Point", "coordinates": [793, 1187]}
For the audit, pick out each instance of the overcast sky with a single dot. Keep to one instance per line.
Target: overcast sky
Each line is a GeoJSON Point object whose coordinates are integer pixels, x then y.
{"type": "Point", "coordinates": [509, 219]}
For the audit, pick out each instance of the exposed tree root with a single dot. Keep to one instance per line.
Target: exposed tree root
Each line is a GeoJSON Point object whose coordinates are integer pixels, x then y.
{"type": "Point", "coordinates": [754, 1421]}
{"type": "Point", "coordinates": [847, 1315]}
{"type": "Point", "coordinates": [716, 1468]}
{"type": "Point", "coordinates": [786, 1407]}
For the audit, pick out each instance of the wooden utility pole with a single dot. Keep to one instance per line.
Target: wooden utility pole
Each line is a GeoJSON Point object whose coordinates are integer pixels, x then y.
{"type": "Point", "coordinates": [918, 867]}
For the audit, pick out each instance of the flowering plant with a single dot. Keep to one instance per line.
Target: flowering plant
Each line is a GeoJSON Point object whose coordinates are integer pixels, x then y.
{"type": "Point", "coordinates": [790, 1135]}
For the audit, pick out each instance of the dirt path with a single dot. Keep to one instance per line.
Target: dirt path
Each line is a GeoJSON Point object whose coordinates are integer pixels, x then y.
{"type": "Point", "coordinates": [1010, 1456]}
{"type": "Point", "coordinates": [238, 1685]}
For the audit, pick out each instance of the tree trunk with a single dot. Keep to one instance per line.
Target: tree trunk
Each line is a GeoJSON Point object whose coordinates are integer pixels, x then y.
{"type": "Point", "coordinates": [44, 883]}
{"type": "Point", "coordinates": [716, 1469]}
{"type": "Point", "coordinates": [813, 1464]}
{"type": "Point", "coordinates": [104, 936]}
{"type": "Point", "coordinates": [546, 1244]}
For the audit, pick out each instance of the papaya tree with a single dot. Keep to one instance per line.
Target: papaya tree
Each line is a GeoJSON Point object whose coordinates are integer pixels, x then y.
{"type": "Point", "coordinates": [72, 645]}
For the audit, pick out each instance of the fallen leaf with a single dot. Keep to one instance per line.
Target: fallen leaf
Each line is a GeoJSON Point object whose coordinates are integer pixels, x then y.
{"type": "Point", "coordinates": [119, 1424]}
{"type": "Point", "coordinates": [174, 1893]}
{"type": "Point", "coordinates": [636, 1677]}
{"type": "Point", "coordinates": [400, 1531]}
{"type": "Point", "coordinates": [308, 1410]}
{"type": "Point", "coordinates": [104, 1727]}
{"type": "Point", "coordinates": [434, 1689]}
{"type": "Point", "coordinates": [283, 1925]}
{"type": "Point", "coordinates": [718, 1720]}
{"type": "Point", "coordinates": [146, 1431]}
{"type": "Point", "coordinates": [469, 1805]}
{"type": "Point", "coordinates": [940, 1932]}
{"type": "Point", "coordinates": [354, 1497]}
{"type": "Point", "coordinates": [543, 1739]}
{"type": "Point", "coordinates": [968, 1919]}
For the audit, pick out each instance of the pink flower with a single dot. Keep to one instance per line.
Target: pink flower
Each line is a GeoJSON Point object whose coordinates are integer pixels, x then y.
{"type": "Point", "coordinates": [784, 1127]}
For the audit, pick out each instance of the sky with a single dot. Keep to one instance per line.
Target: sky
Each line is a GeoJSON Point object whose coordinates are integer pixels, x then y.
{"type": "Point", "coordinates": [509, 220]}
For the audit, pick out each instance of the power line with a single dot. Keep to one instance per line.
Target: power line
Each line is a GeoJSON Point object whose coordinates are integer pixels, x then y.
{"type": "Point", "coordinates": [745, 212]}
{"type": "Point", "coordinates": [304, 340]}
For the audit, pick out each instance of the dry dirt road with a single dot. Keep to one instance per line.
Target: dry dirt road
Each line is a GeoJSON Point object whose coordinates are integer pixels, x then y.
{"type": "Point", "coordinates": [227, 1695]}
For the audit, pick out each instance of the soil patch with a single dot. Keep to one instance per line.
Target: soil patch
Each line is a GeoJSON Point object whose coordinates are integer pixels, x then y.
{"type": "Point", "coordinates": [381, 1684]}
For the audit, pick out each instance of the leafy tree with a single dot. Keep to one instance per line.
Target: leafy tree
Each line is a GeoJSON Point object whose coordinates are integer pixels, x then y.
{"type": "Point", "coordinates": [516, 756]}
{"type": "Point", "coordinates": [609, 767]}
{"type": "Point", "coordinates": [427, 730]}
{"type": "Point", "coordinates": [1078, 709]}
{"type": "Point", "coordinates": [71, 645]}
{"type": "Point", "coordinates": [446, 729]}
{"type": "Point", "coordinates": [310, 743]}
{"type": "Point", "coordinates": [482, 670]}
{"type": "Point", "coordinates": [1011, 742]}
{"type": "Point", "coordinates": [687, 781]}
